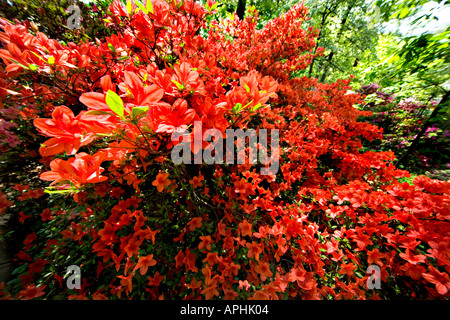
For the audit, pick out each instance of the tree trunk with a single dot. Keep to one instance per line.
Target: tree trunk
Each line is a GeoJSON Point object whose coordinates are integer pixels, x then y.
{"type": "Point", "coordinates": [324, 74]}
{"type": "Point", "coordinates": [413, 145]}
{"type": "Point", "coordinates": [326, 12]}
{"type": "Point", "coordinates": [240, 9]}
{"type": "Point", "coordinates": [330, 56]}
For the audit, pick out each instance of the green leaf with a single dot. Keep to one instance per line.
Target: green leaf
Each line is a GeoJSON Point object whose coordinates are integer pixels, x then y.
{"type": "Point", "coordinates": [111, 47]}
{"type": "Point", "coordinates": [23, 66]}
{"type": "Point", "coordinates": [20, 269]}
{"type": "Point", "coordinates": [149, 6]}
{"type": "Point", "coordinates": [136, 112]}
{"type": "Point", "coordinates": [237, 108]}
{"type": "Point", "coordinates": [115, 103]}
{"type": "Point", "coordinates": [179, 85]}
{"type": "Point", "coordinates": [141, 6]}
{"type": "Point", "coordinates": [49, 191]}
{"type": "Point", "coordinates": [98, 113]}
{"type": "Point", "coordinates": [257, 107]}
{"type": "Point", "coordinates": [392, 59]}
{"type": "Point", "coordinates": [129, 7]}
{"type": "Point", "coordinates": [38, 56]}
{"type": "Point", "coordinates": [404, 12]}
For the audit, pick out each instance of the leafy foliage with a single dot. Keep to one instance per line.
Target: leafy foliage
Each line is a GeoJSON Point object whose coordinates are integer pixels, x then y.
{"type": "Point", "coordinates": [346, 34]}
{"type": "Point", "coordinates": [401, 120]}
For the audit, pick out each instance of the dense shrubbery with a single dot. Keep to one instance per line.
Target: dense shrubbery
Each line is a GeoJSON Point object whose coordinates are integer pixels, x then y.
{"type": "Point", "coordinates": [101, 114]}
{"type": "Point", "coordinates": [401, 120]}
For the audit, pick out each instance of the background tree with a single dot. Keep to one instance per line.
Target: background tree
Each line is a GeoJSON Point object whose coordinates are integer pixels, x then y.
{"type": "Point", "coordinates": [427, 57]}
{"type": "Point", "coordinates": [414, 64]}
{"type": "Point", "coordinates": [345, 33]}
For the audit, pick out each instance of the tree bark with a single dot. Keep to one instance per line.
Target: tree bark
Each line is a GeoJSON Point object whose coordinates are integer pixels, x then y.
{"type": "Point", "coordinates": [326, 12]}
{"type": "Point", "coordinates": [240, 9]}
{"type": "Point", "coordinates": [325, 68]}
{"type": "Point", "coordinates": [330, 56]}
{"type": "Point", "coordinates": [413, 145]}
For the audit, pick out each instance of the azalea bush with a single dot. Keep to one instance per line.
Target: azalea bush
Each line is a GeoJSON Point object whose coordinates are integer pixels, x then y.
{"type": "Point", "coordinates": [96, 122]}
{"type": "Point", "coordinates": [401, 120]}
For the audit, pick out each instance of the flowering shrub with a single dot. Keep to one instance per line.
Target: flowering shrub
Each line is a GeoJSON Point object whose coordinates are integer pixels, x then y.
{"type": "Point", "coordinates": [401, 121]}
{"type": "Point", "coordinates": [140, 226]}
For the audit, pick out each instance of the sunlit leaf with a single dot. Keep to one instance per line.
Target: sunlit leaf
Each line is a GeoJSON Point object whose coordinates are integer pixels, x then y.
{"type": "Point", "coordinates": [115, 103]}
